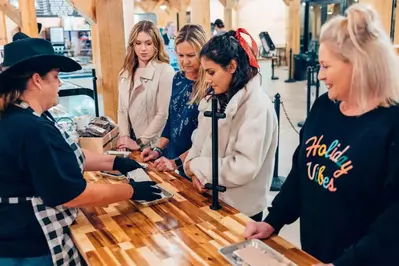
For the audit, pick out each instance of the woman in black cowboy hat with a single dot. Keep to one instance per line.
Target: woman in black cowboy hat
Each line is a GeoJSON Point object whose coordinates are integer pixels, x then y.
{"type": "Point", "coordinates": [41, 181]}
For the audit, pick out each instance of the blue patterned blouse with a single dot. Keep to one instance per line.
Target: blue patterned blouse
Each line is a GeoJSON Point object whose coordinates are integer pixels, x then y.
{"type": "Point", "coordinates": [182, 119]}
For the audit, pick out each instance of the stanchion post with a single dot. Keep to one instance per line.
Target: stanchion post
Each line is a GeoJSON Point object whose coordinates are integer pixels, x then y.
{"type": "Point", "coordinates": [308, 93]}
{"type": "Point", "coordinates": [310, 82]}
{"type": "Point", "coordinates": [215, 187]}
{"type": "Point", "coordinates": [290, 79]}
{"type": "Point", "coordinates": [273, 76]}
{"type": "Point", "coordinates": [95, 93]}
{"type": "Point", "coordinates": [277, 181]}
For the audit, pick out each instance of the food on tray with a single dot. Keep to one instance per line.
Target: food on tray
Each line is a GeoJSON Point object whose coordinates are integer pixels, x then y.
{"type": "Point", "coordinates": [116, 175]}
{"type": "Point", "coordinates": [98, 127]}
{"type": "Point", "coordinates": [253, 256]}
{"type": "Point", "coordinates": [119, 153]}
{"type": "Point", "coordinates": [138, 175]}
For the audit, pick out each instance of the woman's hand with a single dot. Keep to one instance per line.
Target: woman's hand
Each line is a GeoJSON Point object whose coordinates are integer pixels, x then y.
{"type": "Point", "coordinates": [125, 165]}
{"type": "Point", "coordinates": [165, 165]}
{"type": "Point", "coordinates": [187, 170]}
{"type": "Point", "coordinates": [197, 185]}
{"type": "Point", "coordinates": [258, 230]}
{"type": "Point", "coordinates": [127, 143]}
{"type": "Point", "coordinates": [145, 190]}
{"type": "Point", "coordinates": [149, 155]}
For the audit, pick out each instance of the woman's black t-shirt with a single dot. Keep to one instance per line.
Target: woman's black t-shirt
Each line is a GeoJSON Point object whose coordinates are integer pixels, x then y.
{"type": "Point", "coordinates": [35, 160]}
{"type": "Point", "coordinates": [344, 186]}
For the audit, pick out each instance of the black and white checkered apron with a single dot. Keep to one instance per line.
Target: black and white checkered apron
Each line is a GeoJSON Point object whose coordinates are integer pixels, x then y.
{"type": "Point", "coordinates": [55, 222]}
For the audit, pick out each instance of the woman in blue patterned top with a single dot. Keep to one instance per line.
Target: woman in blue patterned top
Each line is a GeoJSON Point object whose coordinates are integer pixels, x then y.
{"type": "Point", "coordinates": [187, 90]}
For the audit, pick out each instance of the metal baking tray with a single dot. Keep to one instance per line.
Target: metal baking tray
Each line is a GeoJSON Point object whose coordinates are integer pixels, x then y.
{"type": "Point", "coordinates": [166, 196]}
{"type": "Point", "coordinates": [228, 252]}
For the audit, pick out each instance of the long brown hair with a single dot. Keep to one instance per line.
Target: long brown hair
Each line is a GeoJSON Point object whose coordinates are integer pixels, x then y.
{"type": "Point", "coordinates": [131, 60]}
{"type": "Point", "coordinates": [15, 85]}
{"type": "Point", "coordinates": [195, 35]}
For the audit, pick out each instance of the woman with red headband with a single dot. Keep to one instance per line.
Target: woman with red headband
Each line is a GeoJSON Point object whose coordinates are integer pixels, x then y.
{"type": "Point", "coordinates": [248, 134]}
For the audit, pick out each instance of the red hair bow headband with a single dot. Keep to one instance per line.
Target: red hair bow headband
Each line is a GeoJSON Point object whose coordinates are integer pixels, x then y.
{"type": "Point", "coordinates": [252, 59]}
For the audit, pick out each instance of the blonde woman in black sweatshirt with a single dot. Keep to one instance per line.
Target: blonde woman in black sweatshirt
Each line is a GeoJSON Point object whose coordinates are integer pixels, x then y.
{"type": "Point", "coordinates": [344, 182]}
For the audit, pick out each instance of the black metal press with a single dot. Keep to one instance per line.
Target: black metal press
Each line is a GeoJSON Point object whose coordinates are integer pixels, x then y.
{"type": "Point", "coordinates": [215, 115]}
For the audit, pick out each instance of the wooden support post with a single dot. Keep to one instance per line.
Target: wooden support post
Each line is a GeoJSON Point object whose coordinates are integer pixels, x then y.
{"type": "Point", "coordinates": [201, 14]}
{"type": "Point", "coordinates": [396, 33]}
{"type": "Point", "coordinates": [182, 14]}
{"type": "Point", "coordinates": [111, 40]}
{"type": "Point", "coordinates": [11, 12]}
{"type": "Point", "coordinates": [293, 30]}
{"type": "Point", "coordinates": [228, 14]}
{"type": "Point", "coordinates": [3, 29]}
{"type": "Point", "coordinates": [128, 18]}
{"type": "Point", "coordinates": [86, 9]}
{"type": "Point", "coordinates": [28, 18]}
{"type": "Point", "coordinates": [384, 9]}
{"type": "Point", "coordinates": [315, 21]}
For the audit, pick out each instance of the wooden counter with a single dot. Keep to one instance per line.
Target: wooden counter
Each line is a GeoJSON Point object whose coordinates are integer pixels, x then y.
{"type": "Point", "coordinates": [184, 231]}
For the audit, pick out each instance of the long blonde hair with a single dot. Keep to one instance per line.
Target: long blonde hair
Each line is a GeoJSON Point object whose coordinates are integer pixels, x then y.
{"type": "Point", "coordinates": [195, 35]}
{"type": "Point", "coordinates": [131, 60]}
{"type": "Point", "coordinates": [360, 39]}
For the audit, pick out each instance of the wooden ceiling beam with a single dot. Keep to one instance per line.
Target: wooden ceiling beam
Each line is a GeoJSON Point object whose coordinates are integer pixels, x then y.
{"type": "Point", "coordinates": [86, 8]}
{"type": "Point", "coordinates": [110, 50]}
{"type": "Point", "coordinates": [28, 18]}
{"type": "Point", "coordinates": [160, 3]}
{"type": "Point", "coordinates": [3, 29]}
{"type": "Point", "coordinates": [12, 12]}
{"type": "Point", "coordinates": [176, 4]}
{"type": "Point", "coordinates": [147, 6]}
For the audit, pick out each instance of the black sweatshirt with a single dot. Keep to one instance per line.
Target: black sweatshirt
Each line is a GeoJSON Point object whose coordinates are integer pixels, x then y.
{"type": "Point", "coordinates": [344, 186]}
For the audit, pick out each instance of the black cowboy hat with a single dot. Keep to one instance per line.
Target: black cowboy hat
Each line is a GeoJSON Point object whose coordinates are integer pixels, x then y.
{"type": "Point", "coordinates": [27, 54]}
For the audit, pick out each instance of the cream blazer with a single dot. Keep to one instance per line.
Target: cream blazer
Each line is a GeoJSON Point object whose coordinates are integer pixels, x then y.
{"type": "Point", "coordinates": [247, 147]}
{"type": "Point", "coordinates": [145, 105]}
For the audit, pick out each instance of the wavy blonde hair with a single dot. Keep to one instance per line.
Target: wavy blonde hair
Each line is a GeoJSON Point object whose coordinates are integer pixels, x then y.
{"type": "Point", "coordinates": [360, 39]}
{"type": "Point", "coordinates": [131, 60]}
{"type": "Point", "coordinates": [195, 35]}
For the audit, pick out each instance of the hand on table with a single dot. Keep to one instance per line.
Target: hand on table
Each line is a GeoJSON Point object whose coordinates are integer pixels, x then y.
{"type": "Point", "coordinates": [258, 230]}
{"type": "Point", "coordinates": [197, 185]}
{"type": "Point", "coordinates": [126, 142]}
{"type": "Point", "coordinates": [165, 165]}
{"type": "Point", "coordinates": [125, 165]}
{"type": "Point", "coordinates": [149, 155]}
{"type": "Point", "coordinates": [145, 190]}
{"type": "Point", "coordinates": [187, 170]}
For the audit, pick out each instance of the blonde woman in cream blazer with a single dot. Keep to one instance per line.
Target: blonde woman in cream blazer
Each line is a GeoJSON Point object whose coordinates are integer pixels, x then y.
{"type": "Point", "coordinates": [145, 105]}
{"type": "Point", "coordinates": [247, 136]}
{"type": "Point", "coordinates": [145, 86]}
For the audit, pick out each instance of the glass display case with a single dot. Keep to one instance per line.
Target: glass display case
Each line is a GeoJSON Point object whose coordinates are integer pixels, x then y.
{"type": "Point", "coordinates": [78, 100]}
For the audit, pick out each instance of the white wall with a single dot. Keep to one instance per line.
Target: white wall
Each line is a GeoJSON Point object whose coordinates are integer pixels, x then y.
{"type": "Point", "coordinates": [263, 15]}
{"type": "Point", "coordinates": [217, 10]}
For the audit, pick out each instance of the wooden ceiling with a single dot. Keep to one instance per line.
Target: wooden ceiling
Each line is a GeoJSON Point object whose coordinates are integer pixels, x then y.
{"type": "Point", "coordinates": [175, 5]}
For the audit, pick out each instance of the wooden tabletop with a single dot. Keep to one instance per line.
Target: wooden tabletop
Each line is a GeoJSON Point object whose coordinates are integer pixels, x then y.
{"type": "Point", "coordinates": [183, 231]}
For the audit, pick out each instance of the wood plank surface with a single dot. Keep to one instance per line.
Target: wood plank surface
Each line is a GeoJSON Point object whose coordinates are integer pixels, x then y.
{"type": "Point", "coordinates": [183, 231]}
